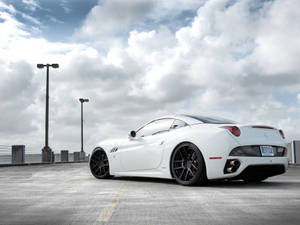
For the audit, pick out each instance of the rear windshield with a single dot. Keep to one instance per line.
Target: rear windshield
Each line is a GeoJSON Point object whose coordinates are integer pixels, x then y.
{"type": "Point", "coordinates": [214, 120]}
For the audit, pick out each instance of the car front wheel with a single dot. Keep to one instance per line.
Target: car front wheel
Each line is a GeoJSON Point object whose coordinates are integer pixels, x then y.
{"type": "Point", "coordinates": [99, 164]}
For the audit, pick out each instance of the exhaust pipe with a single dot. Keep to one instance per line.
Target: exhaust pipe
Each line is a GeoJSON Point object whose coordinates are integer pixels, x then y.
{"type": "Point", "coordinates": [235, 163]}
{"type": "Point", "coordinates": [229, 170]}
{"type": "Point", "coordinates": [231, 166]}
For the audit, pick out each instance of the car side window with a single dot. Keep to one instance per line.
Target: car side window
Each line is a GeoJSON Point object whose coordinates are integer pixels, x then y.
{"type": "Point", "coordinates": [155, 127]}
{"type": "Point", "coordinates": [178, 123]}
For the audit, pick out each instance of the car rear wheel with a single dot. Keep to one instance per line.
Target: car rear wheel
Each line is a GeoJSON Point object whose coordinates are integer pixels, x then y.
{"type": "Point", "coordinates": [187, 165]}
{"type": "Point", "coordinates": [99, 164]}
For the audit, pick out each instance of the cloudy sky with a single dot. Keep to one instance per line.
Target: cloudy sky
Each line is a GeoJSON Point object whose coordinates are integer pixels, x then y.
{"type": "Point", "coordinates": [138, 59]}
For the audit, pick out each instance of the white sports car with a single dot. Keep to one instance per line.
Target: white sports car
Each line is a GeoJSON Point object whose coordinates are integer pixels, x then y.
{"type": "Point", "coordinates": [192, 150]}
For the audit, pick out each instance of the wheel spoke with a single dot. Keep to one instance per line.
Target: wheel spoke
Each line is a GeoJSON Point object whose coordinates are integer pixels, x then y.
{"type": "Point", "coordinates": [196, 168]}
{"type": "Point", "coordinates": [97, 169]}
{"type": "Point", "coordinates": [178, 161]}
{"type": "Point", "coordinates": [94, 166]}
{"type": "Point", "coordinates": [191, 172]}
{"type": "Point", "coordinates": [186, 175]}
{"type": "Point", "coordinates": [182, 173]}
{"type": "Point", "coordinates": [193, 156]}
{"type": "Point", "coordinates": [181, 155]}
{"type": "Point", "coordinates": [185, 153]}
{"type": "Point", "coordinates": [93, 163]}
{"type": "Point", "coordinates": [177, 168]}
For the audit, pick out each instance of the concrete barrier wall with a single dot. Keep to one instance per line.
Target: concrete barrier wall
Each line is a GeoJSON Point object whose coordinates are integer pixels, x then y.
{"type": "Point", "coordinates": [76, 156]}
{"type": "Point", "coordinates": [17, 154]}
{"type": "Point", "coordinates": [64, 156]}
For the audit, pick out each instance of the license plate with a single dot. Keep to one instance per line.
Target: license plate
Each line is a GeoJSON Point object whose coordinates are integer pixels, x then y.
{"type": "Point", "coordinates": [266, 151]}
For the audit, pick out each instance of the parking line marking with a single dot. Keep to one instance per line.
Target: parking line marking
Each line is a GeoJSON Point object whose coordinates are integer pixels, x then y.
{"type": "Point", "coordinates": [112, 205]}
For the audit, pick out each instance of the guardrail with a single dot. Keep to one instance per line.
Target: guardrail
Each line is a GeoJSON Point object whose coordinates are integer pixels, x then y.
{"type": "Point", "coordinates": [17, 155]}
{"type": "Point", "coordinates": [5, 154]}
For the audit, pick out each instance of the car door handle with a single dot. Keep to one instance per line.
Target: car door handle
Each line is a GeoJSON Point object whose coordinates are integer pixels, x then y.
{"type": "Point", "coordinates": [162, 142]}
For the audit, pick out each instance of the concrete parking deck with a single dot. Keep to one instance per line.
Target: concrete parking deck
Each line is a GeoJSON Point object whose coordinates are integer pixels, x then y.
{"type": "Point", "coordinates": [67, 194]}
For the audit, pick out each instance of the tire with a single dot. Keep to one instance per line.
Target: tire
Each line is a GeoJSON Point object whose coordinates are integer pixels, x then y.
{"type": "Point", "coordinates": [99, 164]}
{"type": "Point", "coordinates": [254, 179]}
{"type": "Point", "coordinates": [187, 165]}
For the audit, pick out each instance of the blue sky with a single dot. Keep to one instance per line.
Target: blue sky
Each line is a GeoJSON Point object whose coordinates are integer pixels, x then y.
{"type": "Point", "coordinates": [58, 18]}
{"type": "Point", "coordinates": [139, 59]}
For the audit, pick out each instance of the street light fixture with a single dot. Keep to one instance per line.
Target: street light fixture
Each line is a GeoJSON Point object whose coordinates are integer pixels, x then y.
{"type": "Point", "coordinates": [82, 100]}
{"type": "Point", "coordinates": [46, 151]}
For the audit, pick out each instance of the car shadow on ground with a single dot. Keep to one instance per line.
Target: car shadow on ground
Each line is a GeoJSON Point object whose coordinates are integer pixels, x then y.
{"type": "Point", "coordinates": [258, 185]}
{"type": "Point", "coordinates": [282, 184]}
{"type": "Point", "coordinates": [147, 180]}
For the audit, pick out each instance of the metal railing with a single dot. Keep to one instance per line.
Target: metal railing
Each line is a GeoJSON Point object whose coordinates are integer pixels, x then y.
{"type": "Point", "coordinates": [5, 154]}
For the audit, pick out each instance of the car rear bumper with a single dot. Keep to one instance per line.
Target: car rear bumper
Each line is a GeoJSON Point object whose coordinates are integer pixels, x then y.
{"type": "Point", "coordinates": [255, 171]}
{"type": "Point", "coordinates": [254, 165]}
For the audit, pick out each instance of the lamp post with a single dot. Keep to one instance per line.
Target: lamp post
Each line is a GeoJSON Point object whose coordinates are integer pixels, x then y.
{"type": "Point", "coordinates": [82, 100]}
{"type": "Point", "coordinates": [46, 151]}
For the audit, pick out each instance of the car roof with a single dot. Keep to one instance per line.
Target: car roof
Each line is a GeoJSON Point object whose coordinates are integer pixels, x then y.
{"type": "Point", "coordinates": [196, 119]}
{"type": "Point", "coordinates": [187, 119]}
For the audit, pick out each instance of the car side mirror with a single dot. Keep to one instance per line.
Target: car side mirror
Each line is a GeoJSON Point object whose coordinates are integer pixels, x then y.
{"type": "Point", "coordinates": [132, 134]}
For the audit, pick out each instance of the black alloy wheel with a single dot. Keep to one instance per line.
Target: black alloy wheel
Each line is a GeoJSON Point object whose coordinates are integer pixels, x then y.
{"type": "Point", "coordinates": [187, 165]}
{"type": "Point", "coordinates": [99, 164]}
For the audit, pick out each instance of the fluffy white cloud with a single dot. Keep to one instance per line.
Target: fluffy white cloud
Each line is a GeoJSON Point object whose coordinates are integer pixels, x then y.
{"type": "Point", "coordinates": [111, 17]}
{"type": "Point", "coordinates": [298, 98]}
{"type": "Point", "coordinates": [114, 16]}
{"type": "Point", "coordinates": [10, 8]}
{"type": "Point", "coordinates": [278, 39]}
{"type": "Point", "coordinates": [31, 4]}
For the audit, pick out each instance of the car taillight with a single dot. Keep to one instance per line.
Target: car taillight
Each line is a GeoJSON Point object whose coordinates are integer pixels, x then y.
{"type": "Point", "coordinates": [282, 134]}
{"type": "Point", "coordinates": [233, 129]}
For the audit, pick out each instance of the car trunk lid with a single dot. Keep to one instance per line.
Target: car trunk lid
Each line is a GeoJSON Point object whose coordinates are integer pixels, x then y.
{"type": "Point", "coordinates": [258, 134]}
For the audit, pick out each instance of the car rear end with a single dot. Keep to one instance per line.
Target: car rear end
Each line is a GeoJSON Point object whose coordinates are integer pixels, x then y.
{"type": "Point", "coordinates": [258, 152]}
